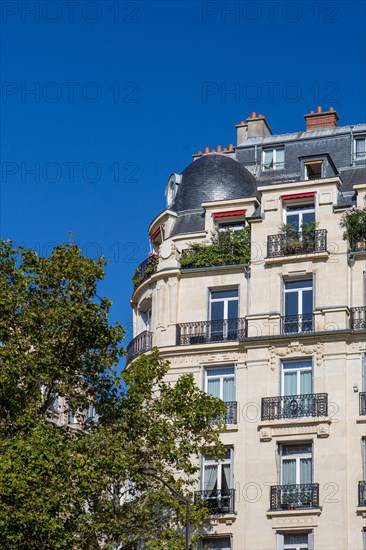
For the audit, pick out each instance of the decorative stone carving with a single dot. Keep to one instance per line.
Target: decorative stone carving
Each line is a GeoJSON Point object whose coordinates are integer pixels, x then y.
{"type": "Point", "coordinates": [295, 349]}
{"type": "Point", "coordinates": [167, 249]}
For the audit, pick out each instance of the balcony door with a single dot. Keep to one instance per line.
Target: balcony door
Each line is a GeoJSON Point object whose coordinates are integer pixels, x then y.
{"type": "Point", "coordinates": [296, 464]}
{"type": "Point", "coordinates": [297, 388]}
{"type": "Point", "coordinates": [299, 215]}
{"type": "Point", "coordinates": [217, 481]}
{"type": "Point", "coordinates": [220, 383]}
{"type": "Point", "coordinates": [298, 306]}
{"type": "Point", "coordinates": [224, 308]}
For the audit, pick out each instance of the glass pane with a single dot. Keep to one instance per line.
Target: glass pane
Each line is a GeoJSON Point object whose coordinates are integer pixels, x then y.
{"type": "Point", "coordinates": [217, 311]}
{"type": "Point", "coordinates": [289, 472]}
{"type": "Point", "coordinates": [291, 285]}
{"type": "Point", "coordinates": [291, 303]}
{"type": "Point", "coordinates": [233, 309]}
{"type": "Point", "coordinates": [290, 383]}
{"type": "Point", "coordinates": [210, 478]}
{"type": "Point", "coordinates": [297, 364]}
{"type": "Point", "coordinates": [280, 156]}
{"type": "Point", "coordinates": [226, 477]}
{"type": "Point", "coordinates": [268, 158]}
{"type": "Point", "coordinates": [305, 470]}
{"type": "Point", "coordinates": [228, 390]}
{"type": "Point", "coordinates": [288, 450]}
{"type": "Point", "coordinates": [218, 294]}
{"type": "Point", "coordinates": [294, 220]}
{"type": "Point", "coordinates": [307, 301]}
{"type": "Point", "coordinates": [305, 382]}
{"type": "Point", "coordinates": [301, 538]}
{"type": "Point", "coordinates": [213, 387]}
{"type": "Point", "coordinates": [220, 371]}
{"type": "Point", "coordinates": [308, 217]}
{"type": "Point", "coordinates": [360, 147]}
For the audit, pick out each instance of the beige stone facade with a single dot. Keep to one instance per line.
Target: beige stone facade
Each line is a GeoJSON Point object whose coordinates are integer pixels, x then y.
{"type": "Point", "coordinates": [289, 350]}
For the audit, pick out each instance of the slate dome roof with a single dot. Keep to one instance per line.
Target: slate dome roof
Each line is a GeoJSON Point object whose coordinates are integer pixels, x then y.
{"type": "Point", "coordinates": [213, 177]}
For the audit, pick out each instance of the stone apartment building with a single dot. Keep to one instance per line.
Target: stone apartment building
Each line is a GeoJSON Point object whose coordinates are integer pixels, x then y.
{"type": "Point", "coordinates": [280, 338]}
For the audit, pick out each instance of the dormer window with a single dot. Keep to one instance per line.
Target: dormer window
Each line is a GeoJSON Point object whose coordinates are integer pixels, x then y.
{"type": "Point", "coordinates": [313, 170]}
{"type": "Point", "coordinates": [359, 148]}
{"type": "Point", "coordinates": [273, 159]}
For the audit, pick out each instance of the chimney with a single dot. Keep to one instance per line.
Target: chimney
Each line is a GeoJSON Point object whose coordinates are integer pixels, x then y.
{"type": "Point", "coordinates": [258, 126]}
{"type": "Point", "coordinates": [241, 132]}
{"type": "Point", "coordinates": [321, 119]}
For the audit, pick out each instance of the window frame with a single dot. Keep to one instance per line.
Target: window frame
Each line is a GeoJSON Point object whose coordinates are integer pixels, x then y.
{"type": "Point", "coordinates": [355, 155]}
{"type": "Point", "coordinates": [303, 207]}
{"type": "Point", "coordinates": [274, 165]}
{"type": "Point", "coordinates": [220, 377]}
{"type": "Point", "coordinates": [297, 457]}
{"type": "Point", "coordinates": [219, 467]}
{"type": "Point", "coordinates": [312, 163]}
{"type": "Point", "coordinates": [298, 370]}
{"type": "Point", "coordinates": [299, 291]}
{"type": "Point", "coordinates": [280, 540]}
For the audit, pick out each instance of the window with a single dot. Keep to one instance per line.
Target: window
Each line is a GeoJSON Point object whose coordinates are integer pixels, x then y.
{"type": "Point", "coordinates": [294, 541]}
{"type": "Point", "coordinates": [220, 382]}
{"type": "Point", "coordinates": [216, 543]}
{"type": "Point", "coordinates": [224, 305]}
{"type": "Point", "coordinates": [273, 159]}
{"type": "Point", "coordinates": [298, 306]}
{"type": "Point", "coordinates": [300, 215]}
{"type": "Point", "coordinates": [145, 320]}
{"type": "Point", "coordinates": [296, 377]}
{"type": "Point", "coordinates": [217, 482]}
{"type": "Point", "coordinates": [90, 413]}
{"type": "Point", "coordinates": [359, 151]}
{"type": "Point", "coordinates": [313, 170]}
{"type": "Point", "coordinates": [296, 464]}
{"type": "Point", "coordinates": [231, 226]}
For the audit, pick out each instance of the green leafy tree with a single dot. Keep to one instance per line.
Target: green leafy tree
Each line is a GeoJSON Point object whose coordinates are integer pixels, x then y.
{"type": "Point", "coordinates": [77, 487]}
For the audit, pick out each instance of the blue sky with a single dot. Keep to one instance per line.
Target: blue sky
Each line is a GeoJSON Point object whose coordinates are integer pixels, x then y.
{"type": "Point", "coordinates": [102, 101]}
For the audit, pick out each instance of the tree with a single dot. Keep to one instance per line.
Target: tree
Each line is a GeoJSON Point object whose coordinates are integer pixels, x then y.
{"type": "Point", "coordinates": [80, 488]}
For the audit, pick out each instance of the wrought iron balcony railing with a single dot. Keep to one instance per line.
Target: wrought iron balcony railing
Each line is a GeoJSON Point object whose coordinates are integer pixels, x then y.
{"type": "Point", "coordinates": [362, 493]}
{"type": "Point", "coordinates": [298, 243]}
{"type": "Point", "coordinates": [144, 271]}
{"type": "Point", "coordinates": [204, 332]}
{"type": "Point", "coordinates": [230, 415]}
{"type": "Point", "coordinates": [294, 497]}
{"type": "Point", "coordinates": [294, 406]}
{"type": "Point", "coordinates": [218, 501]}
{"type": "Point", "coordinates": [362, 403]}
{"type": "Point", "coordinates": [139, 345]}
{"type": "Point", "coordinates": [358, 318]}
{"type": "Point", "coordinates": [297, 323]}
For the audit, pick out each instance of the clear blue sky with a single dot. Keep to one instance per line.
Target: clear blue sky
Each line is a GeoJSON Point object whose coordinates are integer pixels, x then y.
{"type": "Point", "coordinates": [124, 92]}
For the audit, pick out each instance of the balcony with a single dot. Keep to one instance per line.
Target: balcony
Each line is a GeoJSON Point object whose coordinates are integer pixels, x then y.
{"type": "Point", "coordinates": [362, 403]}
{"type": "Point", "coordinates": [144, 271]}
{"type": "Point", "coordinates": [297, 243]}
{"type": "Point", "coordinates": [209, 332]}
{"type": "Point", "coordinates": [139, 345]}
{"type": "Point", "coordinates": [218, 501]}
{"type": "Point", "coordinates": [294, 406]}
{"type": "Point", "coordinates": [362, 493]}
{"type": "Point", "coordinates": [291, 324]}
{"type": "Point", "coordinates": [294, 497]}
{"type": "Point", "coordinates": [358, 318]}
{"type": "Point", "coordinates": [230, 415]}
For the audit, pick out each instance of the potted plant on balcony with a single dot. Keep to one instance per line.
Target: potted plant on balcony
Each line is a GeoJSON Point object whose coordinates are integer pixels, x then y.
{"type": "Point", "coordinates": [353, 222]}
{"type": "Point", "coordinates": [290, 242]}
{"type": "Point", "coordinates": [150, 267]}
{"type": "Point", "coordinates": [308, 236]}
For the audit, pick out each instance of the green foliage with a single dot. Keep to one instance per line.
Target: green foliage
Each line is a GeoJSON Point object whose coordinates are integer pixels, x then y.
{"type": "Point", "coordinates": [141, 275]}
{"type": "Point", "coordinates": [298, 242]}
{"type": "Point", "coordinates": [226, 248]}
{"type": "Point", "coordinates": [79, 488]}
{"type": "Point", "coordinates": [354, 223]}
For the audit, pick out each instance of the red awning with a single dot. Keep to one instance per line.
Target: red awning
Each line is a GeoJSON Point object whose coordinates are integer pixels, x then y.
{"type": "Point", "coordinates": [298, 196]}
{"type": "Point", "coordinates": [227, 214]}
{"type": "Point", "coordinates": [155, 234]}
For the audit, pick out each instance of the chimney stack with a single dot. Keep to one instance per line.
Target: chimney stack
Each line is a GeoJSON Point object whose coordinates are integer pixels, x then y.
{"type": "Point", "coordinates": [255, 126]}
{"type": "Point", "coordinates": [320, 119]}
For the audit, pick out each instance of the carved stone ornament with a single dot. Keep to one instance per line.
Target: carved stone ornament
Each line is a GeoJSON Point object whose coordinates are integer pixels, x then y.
{"type": "Point", "coordinates": [167, 249]}
{"type": "Point", "coordinates": [295, 349]}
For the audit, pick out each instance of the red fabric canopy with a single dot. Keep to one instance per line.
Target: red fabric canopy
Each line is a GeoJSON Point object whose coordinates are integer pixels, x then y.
{"type": "Point", "coordinates": [227, 214]}
{"type": "Point", "coordinates": [298, 196]}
